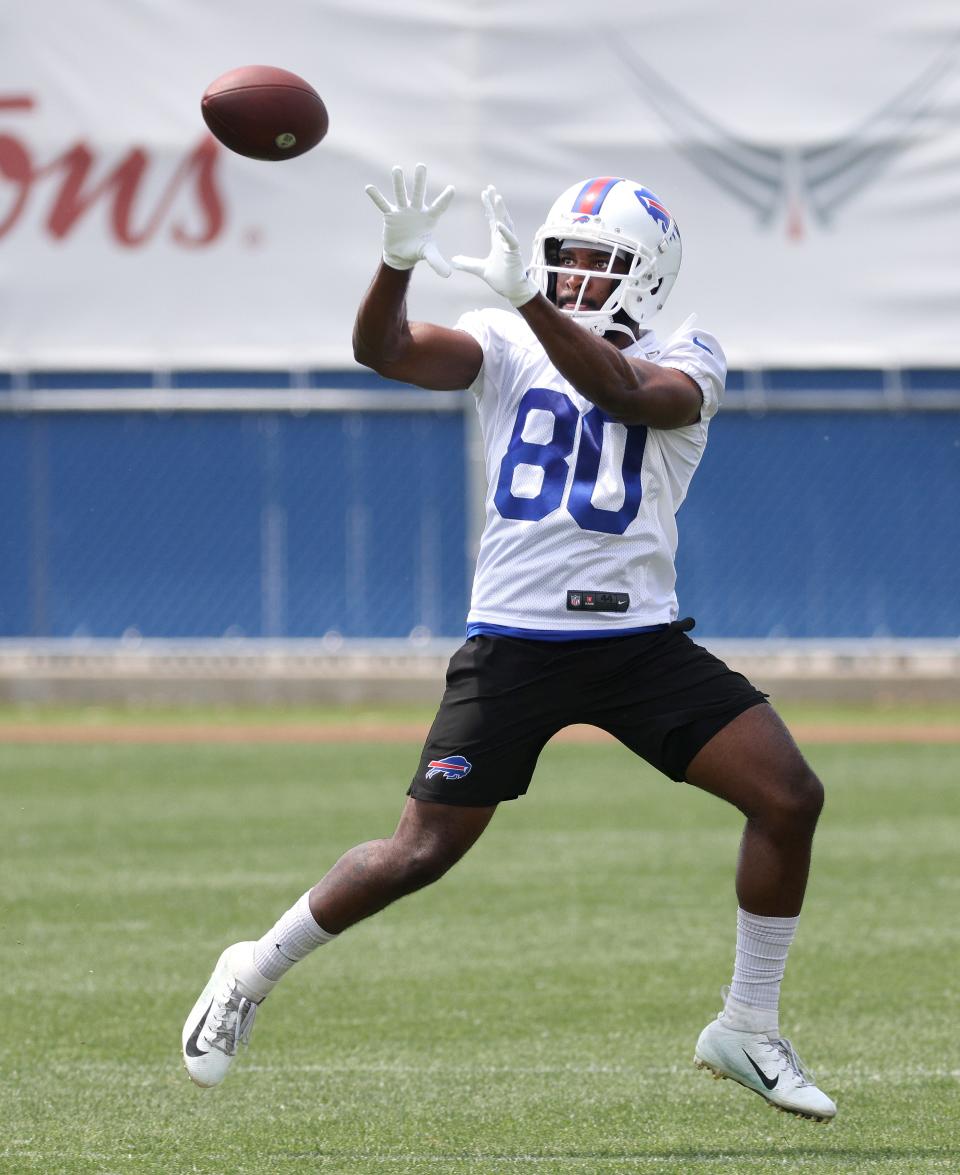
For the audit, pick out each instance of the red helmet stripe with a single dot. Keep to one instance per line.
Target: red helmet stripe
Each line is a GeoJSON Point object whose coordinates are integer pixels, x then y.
{"type": "Point", "coordinates": [592, 195]}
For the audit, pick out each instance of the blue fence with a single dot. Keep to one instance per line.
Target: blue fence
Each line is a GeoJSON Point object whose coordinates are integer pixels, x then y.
{"type": "Point", "coordinates": [836, 524]}
{"type": "Point", "coordinates": [248, 524]}
{"type": "Point", "coordinates": [802, 521]}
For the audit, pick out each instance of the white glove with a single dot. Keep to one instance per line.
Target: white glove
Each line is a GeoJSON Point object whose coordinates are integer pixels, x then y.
{"type": "Point", "coordinates": [408, 225]}
{"type": "Point", "coordinates": [503, 268]}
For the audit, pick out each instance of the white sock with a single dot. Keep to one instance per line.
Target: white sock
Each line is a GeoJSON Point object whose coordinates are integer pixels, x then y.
{"type": "Point", "coordinates": [294, 936]}
{"type": "Point", "coordinates": [754, 999]}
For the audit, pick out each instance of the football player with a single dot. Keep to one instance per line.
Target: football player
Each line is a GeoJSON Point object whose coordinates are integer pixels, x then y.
{"type": "Point", "coordinates": [592, 427]}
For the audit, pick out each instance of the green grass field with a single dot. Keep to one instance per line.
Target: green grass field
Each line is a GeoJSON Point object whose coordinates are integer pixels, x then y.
{"type": "Point", "coordinates": [536, 1010]}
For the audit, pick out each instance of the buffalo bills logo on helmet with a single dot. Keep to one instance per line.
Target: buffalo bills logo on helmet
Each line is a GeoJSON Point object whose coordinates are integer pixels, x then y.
{"type": "Point", "coordinates": [654, 207]}
{"type": "Point", "coordinates": [581, 220]}
{"type": "Point", "coordinates": [449, 767]}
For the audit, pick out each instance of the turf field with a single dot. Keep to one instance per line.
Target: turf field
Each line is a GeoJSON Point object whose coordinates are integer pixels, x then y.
{"type": "Point", "coordinates": [536, 1010]}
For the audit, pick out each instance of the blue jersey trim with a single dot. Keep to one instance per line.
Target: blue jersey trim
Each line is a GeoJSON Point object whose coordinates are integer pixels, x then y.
{"type": "Point", "coordinates": [480, 628]}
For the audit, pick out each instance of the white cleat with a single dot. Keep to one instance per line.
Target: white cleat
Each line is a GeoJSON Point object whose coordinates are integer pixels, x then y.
{"type": "Point", "coordinates": [223, 1015]}
{"type": "Point", "coordinates": [768, 1067]}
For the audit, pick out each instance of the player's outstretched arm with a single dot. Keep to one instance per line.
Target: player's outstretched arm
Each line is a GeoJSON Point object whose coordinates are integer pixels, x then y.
{"type": "Point", "coordinates": [420, 353]}
{"type": "Point", "coordinates": [631, 390]}
{"type": "Point", "coordinates": [634, 391]}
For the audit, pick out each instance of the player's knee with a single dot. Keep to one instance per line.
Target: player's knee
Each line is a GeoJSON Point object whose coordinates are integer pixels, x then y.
{"type": "Point", "coordinates": [798, 800]}
{"type": "Point", "coordinates": [810, 799]}
{"type": "Point", "coordinates": [425, 861]}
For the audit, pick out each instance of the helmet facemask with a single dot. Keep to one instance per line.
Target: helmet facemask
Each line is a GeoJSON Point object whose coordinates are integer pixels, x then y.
{"type": "Point", "coordinates": [622, 219]}
{"type": "Point", "coordinates": [639, 279]}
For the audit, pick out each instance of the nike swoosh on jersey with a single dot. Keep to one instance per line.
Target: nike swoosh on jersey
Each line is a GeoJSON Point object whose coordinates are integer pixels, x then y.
{"type": "Point", "coordinates": [703, 345]}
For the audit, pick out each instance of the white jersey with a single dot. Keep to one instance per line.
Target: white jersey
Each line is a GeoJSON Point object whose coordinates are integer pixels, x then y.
{"type": "Point", "coordinates": [580, 509]}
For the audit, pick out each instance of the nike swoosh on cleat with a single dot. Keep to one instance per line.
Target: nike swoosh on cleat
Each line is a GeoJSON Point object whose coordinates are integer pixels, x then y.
{"type": "Point", "coordinates": [190, 1048]}
{"type": "Point", "coordinates": [760, 1073]}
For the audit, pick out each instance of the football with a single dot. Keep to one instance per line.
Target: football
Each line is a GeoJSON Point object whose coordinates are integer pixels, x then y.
{"type": "Point", "coordinates": [264, 112]}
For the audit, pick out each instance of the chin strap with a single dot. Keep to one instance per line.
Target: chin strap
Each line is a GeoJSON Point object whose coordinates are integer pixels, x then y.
{"type": "Point", "coordinates": [631, 334]}
{"type": "Point", "coordinates": [601, 325]}
{"type": "Point", "coordinates": [602, 328]}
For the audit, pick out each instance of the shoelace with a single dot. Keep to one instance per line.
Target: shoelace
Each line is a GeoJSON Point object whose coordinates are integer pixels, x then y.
{"type": "Point", "coordinates": [230, 1024]}
{"type": "Point", "coordinates": [246, 1013]}
{"type": "Point", "coordinates": [789, 1055]}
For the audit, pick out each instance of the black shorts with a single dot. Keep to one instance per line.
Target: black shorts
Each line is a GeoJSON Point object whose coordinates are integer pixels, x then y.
{"type": "Point", "coordinates": [657, 692]}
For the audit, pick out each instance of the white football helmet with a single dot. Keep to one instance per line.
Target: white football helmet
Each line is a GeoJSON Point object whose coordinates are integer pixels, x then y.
{"type": "Point", "coordinates": [624, 218]}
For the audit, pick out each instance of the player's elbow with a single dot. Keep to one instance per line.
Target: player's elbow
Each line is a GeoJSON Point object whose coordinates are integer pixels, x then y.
{"type": "Point", "coordinates": [377, 357]}
{"type": "Point", "coordinates": [672, 404]}
{"type": "Point", "coordinates": [362, 352]}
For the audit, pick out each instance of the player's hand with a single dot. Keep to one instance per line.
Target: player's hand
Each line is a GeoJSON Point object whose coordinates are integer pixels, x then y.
{"type": "Point", "coordinates": [502, 268]}
{"type": "Point", "coordinates": [408, 225]}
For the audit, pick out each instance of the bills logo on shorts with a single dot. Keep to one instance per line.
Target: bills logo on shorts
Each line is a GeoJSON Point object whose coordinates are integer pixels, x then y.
{"type": "Point", "coordinates": [450, 767]}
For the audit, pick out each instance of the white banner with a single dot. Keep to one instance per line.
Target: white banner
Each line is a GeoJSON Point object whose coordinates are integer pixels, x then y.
{"type": "Point", "coordinates": [810, 154]}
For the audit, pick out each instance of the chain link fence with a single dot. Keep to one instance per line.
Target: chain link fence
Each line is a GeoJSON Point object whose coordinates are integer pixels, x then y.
{"type": "Point", "coordinates": [273, 506]}
{"type": "Point", "coordinates": [825, 524]}
{"type": "Point", "coordinates": [245, 524]}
